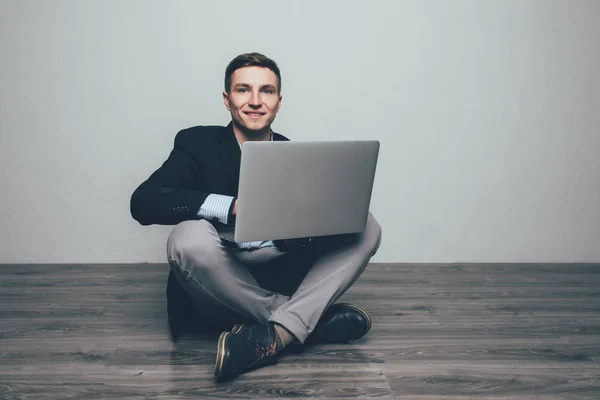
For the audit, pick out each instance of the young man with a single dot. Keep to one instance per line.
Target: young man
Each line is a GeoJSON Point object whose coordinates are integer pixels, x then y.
{"type": "Point", "coordinates": [196, 188]}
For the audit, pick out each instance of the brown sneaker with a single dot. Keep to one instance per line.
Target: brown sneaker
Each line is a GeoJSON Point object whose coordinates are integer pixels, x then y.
{"type": "Point", "coordinates": [247, 348]}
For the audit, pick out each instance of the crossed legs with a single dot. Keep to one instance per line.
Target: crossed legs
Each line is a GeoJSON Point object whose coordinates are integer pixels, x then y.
{"type": "Point", "coordinates": [221, 282]}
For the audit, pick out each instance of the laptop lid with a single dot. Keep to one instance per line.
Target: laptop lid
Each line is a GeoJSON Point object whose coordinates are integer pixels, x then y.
{"type": "Point", "coordinates": [304, 189]}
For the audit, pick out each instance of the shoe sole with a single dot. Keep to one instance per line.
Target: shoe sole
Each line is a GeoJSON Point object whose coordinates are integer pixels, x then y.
{"type": "Point", "coordinates": [220, 354]}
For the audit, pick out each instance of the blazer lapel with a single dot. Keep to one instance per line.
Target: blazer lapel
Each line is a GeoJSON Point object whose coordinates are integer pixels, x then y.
{"type": "Point", "coordinates": [230, 154]}
{"type": "Point", "coordinates": [279, 138]}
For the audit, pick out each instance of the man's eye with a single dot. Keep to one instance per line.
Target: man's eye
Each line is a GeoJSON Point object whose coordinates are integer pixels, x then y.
{"type": "Point", "coordinates": [268, 91]}
{"type": "Point", "coordinates": [242, 90]}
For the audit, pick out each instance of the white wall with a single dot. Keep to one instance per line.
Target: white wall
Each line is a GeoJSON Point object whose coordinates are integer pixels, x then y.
{"type": "Point", "coordinates": [487, 111]}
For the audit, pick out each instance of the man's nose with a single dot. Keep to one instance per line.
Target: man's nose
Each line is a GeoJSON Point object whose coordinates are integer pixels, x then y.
{"type": "Point", "coordinates": [254, 99]}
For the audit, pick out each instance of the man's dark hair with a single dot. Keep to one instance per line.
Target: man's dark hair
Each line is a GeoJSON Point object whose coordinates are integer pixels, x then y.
{"type": "Point", "coordinates": [251, 60]}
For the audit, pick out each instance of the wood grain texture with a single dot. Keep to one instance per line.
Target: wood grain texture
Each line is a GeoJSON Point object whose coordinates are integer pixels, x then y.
{"type": "Point", "coordinates": [485, 331]}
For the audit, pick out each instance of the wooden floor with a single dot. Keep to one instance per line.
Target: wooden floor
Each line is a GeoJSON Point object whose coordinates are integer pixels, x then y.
{"type": "Point", "coordinates": [439, 332]}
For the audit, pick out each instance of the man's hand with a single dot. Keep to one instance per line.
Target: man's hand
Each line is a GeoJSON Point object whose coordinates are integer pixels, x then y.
{"type": "Point", "coordinates": [235, 207]}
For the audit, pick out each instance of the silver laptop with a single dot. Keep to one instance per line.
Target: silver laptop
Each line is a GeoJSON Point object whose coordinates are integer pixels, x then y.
{"type": "Point", "coordinates": [297, 189]}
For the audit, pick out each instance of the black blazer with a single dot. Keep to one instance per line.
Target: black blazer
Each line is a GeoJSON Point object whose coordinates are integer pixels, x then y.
{"type": "Point", "coordinates": [204, 160]}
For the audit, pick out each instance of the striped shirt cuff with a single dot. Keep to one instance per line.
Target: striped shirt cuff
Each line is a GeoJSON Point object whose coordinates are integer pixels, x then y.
{"type": "Point", "coordinates": [216, 206]}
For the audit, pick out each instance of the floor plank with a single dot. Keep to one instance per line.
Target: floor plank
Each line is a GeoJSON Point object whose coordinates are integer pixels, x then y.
{"type": "Point", "coordinates": [475, 331]}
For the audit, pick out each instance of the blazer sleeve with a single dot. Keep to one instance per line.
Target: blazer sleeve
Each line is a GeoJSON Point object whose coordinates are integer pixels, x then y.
{"type": "Point", "coordinates": [168, 196]}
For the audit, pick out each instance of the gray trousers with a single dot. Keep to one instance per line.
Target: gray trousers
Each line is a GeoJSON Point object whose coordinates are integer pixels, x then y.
{"type": "Point", "coordinates": [292, 289]}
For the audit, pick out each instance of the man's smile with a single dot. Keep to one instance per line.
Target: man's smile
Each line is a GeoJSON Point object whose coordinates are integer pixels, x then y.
{"type": "Point", "coordinates": [254, 114]}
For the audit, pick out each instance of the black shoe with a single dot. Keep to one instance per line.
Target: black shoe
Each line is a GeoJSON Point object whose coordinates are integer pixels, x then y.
{"type": "Point", "coordinates": [341, 323]}
{"type": "Point", "coordinates": [247, 348]}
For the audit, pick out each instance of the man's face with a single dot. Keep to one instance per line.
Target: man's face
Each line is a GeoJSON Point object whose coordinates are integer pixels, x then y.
{"type": "Point", "coordinates": [253, 99]}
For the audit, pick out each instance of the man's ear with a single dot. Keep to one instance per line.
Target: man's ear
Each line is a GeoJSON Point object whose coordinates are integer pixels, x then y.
{"type": "Point", "coordinates": [226, 100]}
{"type": "Point", "coordinates": [279, 102]}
